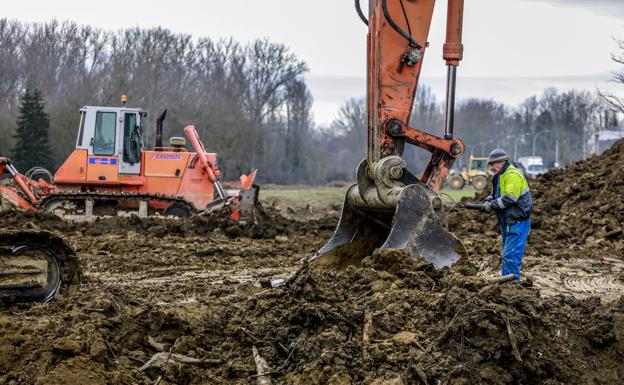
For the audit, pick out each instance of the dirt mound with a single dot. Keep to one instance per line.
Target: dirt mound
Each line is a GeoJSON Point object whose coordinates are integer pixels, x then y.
{"type": "Point", "coordinates": [583, 204]}
{"type": "Point", "coordinates": [414, 325]}
{"type": "Point", "coordinates": [409, 324]}
{"type": "Point", "coordinates": [578, 210]}
{"type": "Point", "coordinates": [271, 222]}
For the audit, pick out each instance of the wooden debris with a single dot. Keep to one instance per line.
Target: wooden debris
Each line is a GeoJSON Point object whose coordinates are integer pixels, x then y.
{"type": "Point", "coordinates": [421, 374]}
{"type": "Point", "coordinates": [160, 360]}
{"type": "Point", "coordinates": [368, 323]}
{"type": "Point", "coordinates": [261, 367]}
{"type": "Point", "coordinates": [155, 344]}
{"type": "Point", "coordinates": [501, 279]}
{"type": "Point", "coordinates": [283, 366]}
{"type": "Point", "coordinates": [513, 341]}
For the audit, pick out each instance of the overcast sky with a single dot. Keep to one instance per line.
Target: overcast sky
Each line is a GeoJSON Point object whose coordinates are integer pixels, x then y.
{"type": "Point", "coordinates": [513, 48]}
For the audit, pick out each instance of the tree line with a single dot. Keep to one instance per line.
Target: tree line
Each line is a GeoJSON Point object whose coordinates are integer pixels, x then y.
{"type": "Point", "coordinates": [251, 105]}
{"type": "Point", "coordinates": [562, 127]}
{"type": "Point", "coordinates": [249, 102]}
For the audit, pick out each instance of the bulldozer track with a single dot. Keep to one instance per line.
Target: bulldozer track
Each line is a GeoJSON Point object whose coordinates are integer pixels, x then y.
{"type": "Point", "coordinates": [56, 249]}
{"type": "Point", "coordinates": [81, 196]}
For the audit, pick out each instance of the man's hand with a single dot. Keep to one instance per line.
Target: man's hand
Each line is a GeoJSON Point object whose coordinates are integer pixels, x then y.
{"type": "Point", "coordinates": [487, 206]}
{"type": "Point", "coordinates": [5, 161]}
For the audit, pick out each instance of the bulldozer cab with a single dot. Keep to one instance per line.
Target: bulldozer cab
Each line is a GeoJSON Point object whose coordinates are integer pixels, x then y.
{"type": "Point", "coordinates": [112, 135]}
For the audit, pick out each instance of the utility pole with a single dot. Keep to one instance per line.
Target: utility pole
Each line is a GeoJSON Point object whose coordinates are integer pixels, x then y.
{"type": "Point", "coordinates": [515, 150]}
{"type": "Point", "coordinates": [557, 149]}
{"type": "Point", "coordinates": [535, 138]}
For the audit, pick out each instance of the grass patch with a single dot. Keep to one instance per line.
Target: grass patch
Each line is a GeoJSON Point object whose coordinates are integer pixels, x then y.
{"type": "Point", "coordinates": [450, 195]}
{"type": "Point", "coordinates": [320, 195]}
{"type": "Point", "coordinates": [335, 195]}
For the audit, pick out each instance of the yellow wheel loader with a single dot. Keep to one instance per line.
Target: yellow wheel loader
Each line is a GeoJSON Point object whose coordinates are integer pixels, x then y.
{"type": "Point", "coordinates": [475, 175]}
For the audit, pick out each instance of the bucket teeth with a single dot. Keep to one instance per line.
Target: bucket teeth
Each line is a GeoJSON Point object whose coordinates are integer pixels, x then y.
{"type": "Point", "coordinates": [414, 226]}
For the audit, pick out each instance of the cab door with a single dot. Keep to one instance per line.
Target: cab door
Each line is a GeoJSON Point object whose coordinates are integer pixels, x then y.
{"type": "Point", "coordinates": [131, 143]}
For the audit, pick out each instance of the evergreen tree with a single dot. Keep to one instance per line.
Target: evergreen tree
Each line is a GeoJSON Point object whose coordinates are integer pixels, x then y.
{"type": "Point", "coordinates": [32, 145]}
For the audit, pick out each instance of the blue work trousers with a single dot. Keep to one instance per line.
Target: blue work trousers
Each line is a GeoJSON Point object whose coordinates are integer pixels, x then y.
{"type": "Point", "coordinates": [514, 242]}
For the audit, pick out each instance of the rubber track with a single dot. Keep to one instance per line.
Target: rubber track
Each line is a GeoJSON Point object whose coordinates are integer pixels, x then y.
{"type": "Point", "coordinates": [99, 195]}
{"type": "Point", "coordinates": [71, 271]}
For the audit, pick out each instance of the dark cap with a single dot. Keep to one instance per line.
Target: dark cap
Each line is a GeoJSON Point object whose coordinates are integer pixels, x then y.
{"type": "Point", "coordinates": [497, 155]}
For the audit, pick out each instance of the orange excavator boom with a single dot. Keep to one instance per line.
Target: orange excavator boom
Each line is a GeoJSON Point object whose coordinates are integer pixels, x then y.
{"type": "Point", "coordinates": [398, 32]}
{"type": "Point", "coordinates": [389, 206]}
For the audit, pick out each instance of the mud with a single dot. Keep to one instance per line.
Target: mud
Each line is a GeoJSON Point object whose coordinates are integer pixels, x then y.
{"type": "Point", "coordinates": [193, 294]}
{"type": "Point", "coordinates": [272, 221]}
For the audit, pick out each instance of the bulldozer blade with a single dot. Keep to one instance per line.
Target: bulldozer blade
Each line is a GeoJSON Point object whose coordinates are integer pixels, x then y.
{"type": "Point", "coordinates": [248, 205]}
{"type": "Point", "coordinates": [413, 226]}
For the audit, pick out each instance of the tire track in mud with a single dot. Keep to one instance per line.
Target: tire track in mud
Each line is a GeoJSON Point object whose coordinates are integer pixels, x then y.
{"type": "Point", "coordinates": [578, 277]}
{"type": "Point", "coordinates": [581, 278]}
{"type": "Point", "coordinates": [163, 277]}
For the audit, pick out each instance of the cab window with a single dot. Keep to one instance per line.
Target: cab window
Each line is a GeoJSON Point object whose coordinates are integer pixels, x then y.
{"type": "Point", "coordinates": [105, 130]}
{"type": "Point", "coordinates": [81, 128]}
{"type": "Point", "coordinates": [132, 139]}
{"type": "Point", "coordinates": [480, 164]}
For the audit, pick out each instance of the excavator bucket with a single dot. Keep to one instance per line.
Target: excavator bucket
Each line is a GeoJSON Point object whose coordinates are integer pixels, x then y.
{"type": "Point", "coordinates": [414, 226]}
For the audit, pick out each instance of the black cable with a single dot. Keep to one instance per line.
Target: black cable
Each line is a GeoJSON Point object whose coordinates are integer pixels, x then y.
{"type": "Point", "coordinates": [394, 25]}
{"type": "Point", "coordinates": [360, 13]}
{"type": "Point", "coordinates": [409, 29]}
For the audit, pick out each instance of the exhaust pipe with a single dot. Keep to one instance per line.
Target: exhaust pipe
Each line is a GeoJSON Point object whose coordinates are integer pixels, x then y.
{"type": "Point", "coordinates": [159, 129]}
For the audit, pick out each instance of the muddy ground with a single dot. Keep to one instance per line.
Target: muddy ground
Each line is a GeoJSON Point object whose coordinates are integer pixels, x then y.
{"type": "Point", "coordinates": [173, 302]}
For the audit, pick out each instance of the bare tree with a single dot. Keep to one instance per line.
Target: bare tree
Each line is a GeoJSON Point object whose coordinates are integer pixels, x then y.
{"type": "Point", "coordinates": [298, 127]}
{"type": "Point", "coordinates": [612, 100]}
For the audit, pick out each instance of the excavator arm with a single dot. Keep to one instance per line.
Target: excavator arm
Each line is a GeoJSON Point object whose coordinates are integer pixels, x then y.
{"type": "Point", "coordinates": [397, 41]}
{"type": "Point", "coordinates": [389, 206]}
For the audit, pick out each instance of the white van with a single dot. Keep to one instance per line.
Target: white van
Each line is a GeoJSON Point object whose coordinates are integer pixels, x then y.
{"type": "Point", "coordinates": [532, 165]}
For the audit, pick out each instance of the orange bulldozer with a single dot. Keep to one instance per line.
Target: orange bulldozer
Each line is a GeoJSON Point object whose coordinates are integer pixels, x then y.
{"type": "Point", "coordinates": [110, 171]}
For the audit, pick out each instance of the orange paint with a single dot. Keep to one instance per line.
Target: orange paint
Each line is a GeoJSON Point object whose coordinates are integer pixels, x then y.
{"type": "Point", "coordinates": [171, 172]}
{"type": "Point", "coordinates": [74, 168]}
{"type": "Point", "coordinates": [14, 198]}
{"type": "Point", "coordinates": [394, 66]}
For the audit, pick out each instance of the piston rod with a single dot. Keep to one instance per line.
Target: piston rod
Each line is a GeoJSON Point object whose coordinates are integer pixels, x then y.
{"type": "Point", "coordinates": [449, 120]}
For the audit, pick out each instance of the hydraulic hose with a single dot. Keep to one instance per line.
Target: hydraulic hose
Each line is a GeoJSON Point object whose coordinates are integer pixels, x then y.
{"type": "Point", "coordinates": [395, 26]}
{"type": "Point", "coordinates": [360, 13]}
{"type": "Point", "coordinates": [473, 206]}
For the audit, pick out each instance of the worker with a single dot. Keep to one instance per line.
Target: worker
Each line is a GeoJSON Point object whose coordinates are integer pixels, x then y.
{"type": "Point", "coordinates": [511, 200]}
